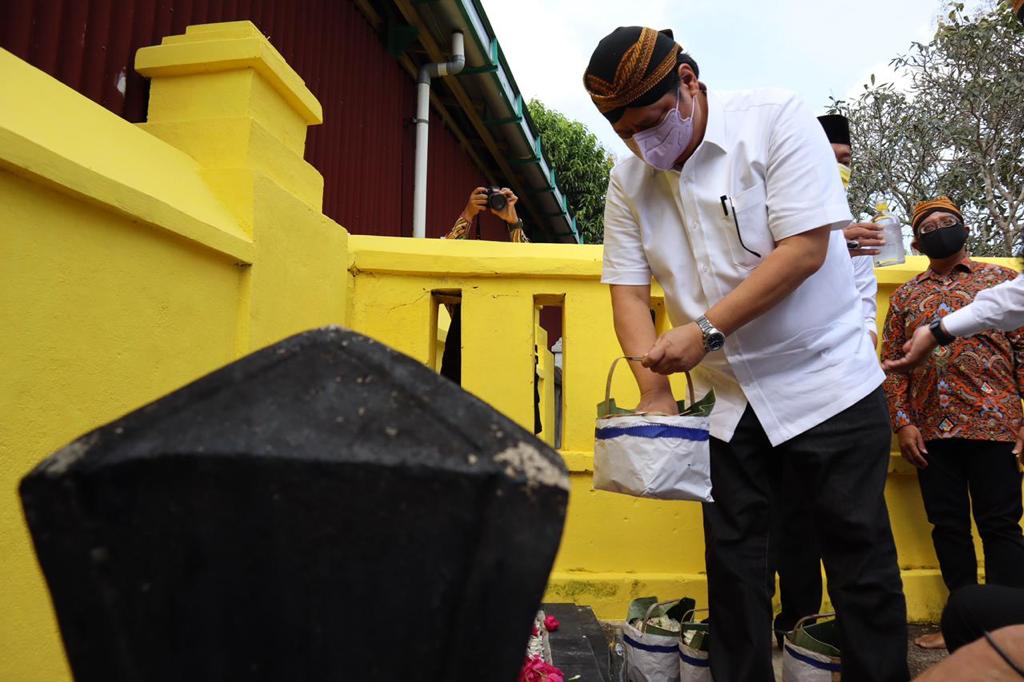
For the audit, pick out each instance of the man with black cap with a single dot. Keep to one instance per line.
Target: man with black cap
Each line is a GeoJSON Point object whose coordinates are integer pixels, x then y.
{"type": "Point", "coordinates": [734, 206]}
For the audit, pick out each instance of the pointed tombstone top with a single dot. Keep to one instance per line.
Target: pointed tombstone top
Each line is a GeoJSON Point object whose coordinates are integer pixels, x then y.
{"type": "Point", "coordinates": [298, 510]}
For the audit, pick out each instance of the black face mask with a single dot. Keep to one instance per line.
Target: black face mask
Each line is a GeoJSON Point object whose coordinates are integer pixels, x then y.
{"type": "Point", "coordinates": [944, 242]}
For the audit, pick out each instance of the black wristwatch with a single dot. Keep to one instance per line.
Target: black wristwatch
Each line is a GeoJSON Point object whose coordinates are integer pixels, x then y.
{"type": "Point", "coordinates": [942, 337]}
{"type": "Point", "coordinates": [713, 339]}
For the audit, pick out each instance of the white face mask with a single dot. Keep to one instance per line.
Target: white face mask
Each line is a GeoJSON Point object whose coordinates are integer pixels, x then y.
{"type": "Point", "coordinates": [662, 144]}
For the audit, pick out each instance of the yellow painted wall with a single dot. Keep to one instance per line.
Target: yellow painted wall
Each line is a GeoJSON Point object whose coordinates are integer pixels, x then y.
{"type": "Point", "coordinates": [134, 259]}
{"type": "Point", "coordinates": [614, 547]}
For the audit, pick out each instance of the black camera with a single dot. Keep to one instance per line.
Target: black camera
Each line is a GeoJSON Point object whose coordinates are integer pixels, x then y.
{"type": "Point", "coordinates": [496, 201]}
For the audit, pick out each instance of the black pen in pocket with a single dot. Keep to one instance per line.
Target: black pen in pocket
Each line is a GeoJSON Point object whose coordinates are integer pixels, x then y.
{"type": "Point", "coordinates": [726, 198]}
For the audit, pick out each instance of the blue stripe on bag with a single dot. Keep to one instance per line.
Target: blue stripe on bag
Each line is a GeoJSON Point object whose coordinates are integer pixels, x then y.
{"type": "Point", "coordinates": [814, 663]}
{"type": "Point", "coordinates": [695, 662]}
{"type": "Point", "coordinates": [653, 648]}
{"type": "Point", "coordinates": [651, 431]}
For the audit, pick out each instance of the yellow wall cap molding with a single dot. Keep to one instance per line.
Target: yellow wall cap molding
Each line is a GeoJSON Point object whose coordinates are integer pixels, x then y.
{"type": "Point", "coordinates": [471, 258]}
{"type": "Point", "coordinates": [226, 47]}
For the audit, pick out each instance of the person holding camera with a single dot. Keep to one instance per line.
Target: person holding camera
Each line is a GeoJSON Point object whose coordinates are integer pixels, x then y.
{"type": "Point", "coordinates": [501, 202]}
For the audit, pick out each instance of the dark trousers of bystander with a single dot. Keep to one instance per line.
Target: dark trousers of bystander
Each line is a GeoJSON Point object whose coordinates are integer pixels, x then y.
{"type": "Point", "coordinates": [983, 475]}
{"type": "Point", "coordinates": [841, 467]}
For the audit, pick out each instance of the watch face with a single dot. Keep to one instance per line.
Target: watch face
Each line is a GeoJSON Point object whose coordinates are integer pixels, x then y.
{"type": "Point", "coordinates": [715, 341]}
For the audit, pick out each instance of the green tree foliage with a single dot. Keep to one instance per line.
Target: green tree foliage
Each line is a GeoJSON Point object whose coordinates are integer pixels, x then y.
{"type": "Point", "coordinates": [581, 167]}
{"type": "Point", "coordinates": [957, 128]}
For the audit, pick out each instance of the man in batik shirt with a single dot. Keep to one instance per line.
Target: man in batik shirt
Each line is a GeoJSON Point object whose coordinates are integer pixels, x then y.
{"type": "Point", "coordinates": [958, 414]}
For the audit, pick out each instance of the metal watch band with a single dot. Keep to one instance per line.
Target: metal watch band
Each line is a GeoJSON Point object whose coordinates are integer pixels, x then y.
{"type": "Point", "coordinates": [712, 338]}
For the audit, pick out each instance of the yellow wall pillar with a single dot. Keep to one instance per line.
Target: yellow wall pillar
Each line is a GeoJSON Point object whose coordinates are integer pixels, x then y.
{"type": "Point", "coordinates": [222, 94]}
{"type": "Point", "coordinates": [501, 374]}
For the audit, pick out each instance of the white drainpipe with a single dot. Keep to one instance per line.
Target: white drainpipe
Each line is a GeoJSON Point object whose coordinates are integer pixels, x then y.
{"type": "Point", "coordinates": [428, 71]}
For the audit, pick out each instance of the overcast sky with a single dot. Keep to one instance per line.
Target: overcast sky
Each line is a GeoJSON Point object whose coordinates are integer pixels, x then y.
{"type": "Point", "coordinates": [819, 48]}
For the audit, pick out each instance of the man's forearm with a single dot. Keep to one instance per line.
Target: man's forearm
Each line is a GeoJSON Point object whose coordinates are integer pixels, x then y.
{"type": "Point", "coordinates": [786, 268]}
{"type": "Point", "coordinates": [636, 333]}
{"type": "Point", "coordinates": [1001, 307]}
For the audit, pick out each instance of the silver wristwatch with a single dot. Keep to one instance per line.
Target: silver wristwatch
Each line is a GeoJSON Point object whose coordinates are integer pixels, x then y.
{"type": "Point", "coordinates": [713, 339]}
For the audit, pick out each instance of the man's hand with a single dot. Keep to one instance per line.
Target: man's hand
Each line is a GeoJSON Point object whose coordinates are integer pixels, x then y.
{"type": "Point", "coordinates": [658, 401]}
{"type": "Point", "coordinates": [509, 214]}
{"type": "Point", "coordinates": [678, 350]}
{"type": "Point", "coordinates": [912, 446]}
{"type": "Point", "coordinates": [869, 237]}
{"type": "Point", "coordinates": [920, 345]}
{"type": "Point", "coordinates": [1018, 447]}
{"type": "Point", "coordinates": [477, 203]}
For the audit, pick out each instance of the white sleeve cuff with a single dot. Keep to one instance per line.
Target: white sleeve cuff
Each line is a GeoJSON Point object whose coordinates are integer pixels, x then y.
{"type": "Point", "coordinates": [835, 217]}
{"type": "Point", "coordinates": [962, 322]}
{"type": "Point", "coordinates": [627, 277]}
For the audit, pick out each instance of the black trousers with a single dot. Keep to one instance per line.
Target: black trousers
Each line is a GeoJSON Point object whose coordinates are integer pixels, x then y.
{"type": "Point", "coordinates": [976, 609]}
{"type": "Point", "coordinates": [451, 358]}
{"type": "Point", "coordinates": [841, 468]}
{"type": "Point", "coordinates": [794, 553]}
{"type": "Point", "coordinates": [962, 474]}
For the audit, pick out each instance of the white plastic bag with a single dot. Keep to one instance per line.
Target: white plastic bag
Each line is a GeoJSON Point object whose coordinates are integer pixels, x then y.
{"type": "Point", "coordinates": [694, 662]}
{"type": "Point", "coordinates": [694, 665]}
{"type": "Point", "coordinates": [649, 657]}
{"type": "Point", "coordinates": [810, 652]}
{"type": "Point", "coordinates": [662, 457]}
{"type": "Point", "coordinates": [651, 653]}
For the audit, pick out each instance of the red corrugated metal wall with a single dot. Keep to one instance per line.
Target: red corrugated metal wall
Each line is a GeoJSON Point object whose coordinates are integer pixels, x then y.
{"type": "Point", "coordinates": [365, 147]}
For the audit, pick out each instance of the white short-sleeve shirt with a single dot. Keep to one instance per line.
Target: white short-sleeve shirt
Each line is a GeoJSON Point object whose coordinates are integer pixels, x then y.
{"type": "Point", "coordinates": [765, 164]}
{"type": "Point", "coordinates": [867, 286]}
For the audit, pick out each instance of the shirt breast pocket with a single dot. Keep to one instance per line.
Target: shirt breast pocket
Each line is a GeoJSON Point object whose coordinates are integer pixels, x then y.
{"type": "Point", "coordinates": [750, 241]}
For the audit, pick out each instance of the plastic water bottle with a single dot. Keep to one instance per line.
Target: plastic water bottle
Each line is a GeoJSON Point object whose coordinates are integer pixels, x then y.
{"type": "Point", "coordinates": [892, 252]}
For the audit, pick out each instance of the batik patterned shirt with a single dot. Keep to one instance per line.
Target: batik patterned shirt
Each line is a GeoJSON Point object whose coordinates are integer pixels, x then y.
{"type": "Point", "coordinates": [969, 389]}
{"type": "Point", "coordinates": [461, 231]}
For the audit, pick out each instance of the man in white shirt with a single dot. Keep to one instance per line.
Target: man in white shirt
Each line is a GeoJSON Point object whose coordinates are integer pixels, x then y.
{"type": "Point", "coordinates": [735, 207]}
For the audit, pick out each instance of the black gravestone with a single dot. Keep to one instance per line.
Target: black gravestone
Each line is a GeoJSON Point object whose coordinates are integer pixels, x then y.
{"type": "Point", "coordinates": [324, 509]}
